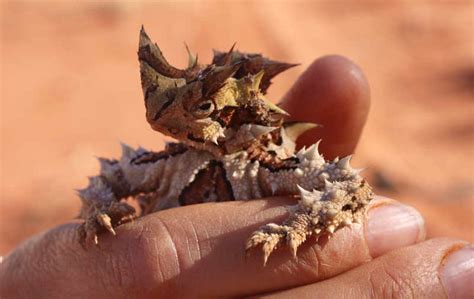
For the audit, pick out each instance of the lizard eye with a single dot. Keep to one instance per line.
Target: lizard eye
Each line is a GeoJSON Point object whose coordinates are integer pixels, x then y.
{"type": "Point", "coordinates": [204, 109]}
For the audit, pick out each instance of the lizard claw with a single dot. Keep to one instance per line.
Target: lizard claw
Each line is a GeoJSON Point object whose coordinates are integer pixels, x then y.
{"type": "Point", "coordinates": [293, 232]}
{"type": "Point", "coordinates": [269, 236]}
{"type": "Point", "coordinates": [104, 219]}
{"type": "Point", "coordinates": [106, 222]}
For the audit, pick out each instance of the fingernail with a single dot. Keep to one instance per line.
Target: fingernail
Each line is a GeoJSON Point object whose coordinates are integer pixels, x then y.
{"type": "Point", "coordinates": [392, 226]}
{"type": "Point", "coordinates": [457, 273]}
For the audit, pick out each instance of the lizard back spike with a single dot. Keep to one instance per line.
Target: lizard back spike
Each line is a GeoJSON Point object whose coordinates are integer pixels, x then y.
{"type": "Point", "coordinates": [192, 59]}
{"type": "Point", "coordinates": [221, 58]}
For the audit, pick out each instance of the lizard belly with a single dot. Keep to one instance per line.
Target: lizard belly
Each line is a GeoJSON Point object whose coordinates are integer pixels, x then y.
{"type": "Point", "coordinates": [232, 177]}
{"type": "Point", "coordinates": [209, 185]}
{"type": "Point", "coordinates": [176, 175]}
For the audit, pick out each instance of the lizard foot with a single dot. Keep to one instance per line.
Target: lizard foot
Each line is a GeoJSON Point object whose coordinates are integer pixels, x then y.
{"type": "Point", "coordinates": [317, 213]}
{"type": "Point", "coordinates": [270, 236]}
{"type": "Point", "coordinates": [101, 219]}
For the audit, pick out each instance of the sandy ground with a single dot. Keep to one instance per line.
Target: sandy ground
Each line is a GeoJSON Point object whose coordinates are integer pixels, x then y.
{"type": "Point", "coordinates": [70, 91]}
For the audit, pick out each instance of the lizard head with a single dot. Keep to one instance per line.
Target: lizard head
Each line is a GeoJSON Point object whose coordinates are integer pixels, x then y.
{"type": "Point", "coordinates": [220, 106]}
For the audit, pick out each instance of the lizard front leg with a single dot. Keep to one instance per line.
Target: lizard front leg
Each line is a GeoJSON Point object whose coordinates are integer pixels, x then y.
{"type": "Point", "coordinates": [317, 213]}
{"type": "Point", "coordinates": [103, 205]}
{"type": "Point", "coordinates": [155, 179]}
{"type": "Point", "coordinates": [101, 209]}
{"type": "Point", "coordinates": [338, 198]}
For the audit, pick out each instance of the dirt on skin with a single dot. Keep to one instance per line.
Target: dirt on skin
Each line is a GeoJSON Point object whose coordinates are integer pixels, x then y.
{"type": "Point", "coordinates": [70, 90]}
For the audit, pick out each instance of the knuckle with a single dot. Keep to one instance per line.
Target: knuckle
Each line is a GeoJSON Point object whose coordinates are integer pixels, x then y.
{"type": "Point", "coordinates": [149, 257]}
{"type": "Point", "coordinates": [386, 282]}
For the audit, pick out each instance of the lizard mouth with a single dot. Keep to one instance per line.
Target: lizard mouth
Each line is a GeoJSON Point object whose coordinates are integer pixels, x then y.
{"type": "Point", "coordinates": [195, 139]}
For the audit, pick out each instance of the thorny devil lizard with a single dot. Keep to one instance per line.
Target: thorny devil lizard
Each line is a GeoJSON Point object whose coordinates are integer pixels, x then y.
{"type": "Point", "coordinates": [233, 145]}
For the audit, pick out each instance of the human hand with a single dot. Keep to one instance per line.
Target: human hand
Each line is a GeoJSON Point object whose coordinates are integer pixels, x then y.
{"type": "Point", "coordinates": [198, 250]}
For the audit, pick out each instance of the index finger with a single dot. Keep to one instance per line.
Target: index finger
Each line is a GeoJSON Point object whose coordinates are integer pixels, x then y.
{"type": "Point", "coordinates": [198, 251]}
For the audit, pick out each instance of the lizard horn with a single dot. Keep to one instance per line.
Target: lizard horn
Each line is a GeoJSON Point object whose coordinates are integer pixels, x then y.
{"type": "Point", "coordinates": [214, 79]}
{"type": "Point", "coordinates": [273, 68]}
{"type": "Point", "coordinates": [151, 54]}
{"type": "Point", "coordinates": [252, 64]}
{"type": "Point", "coordinates": [159, 79]}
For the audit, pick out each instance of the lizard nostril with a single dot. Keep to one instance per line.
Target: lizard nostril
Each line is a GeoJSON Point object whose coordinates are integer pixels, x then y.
{"type": "Point", "coordinates": [173, 131]}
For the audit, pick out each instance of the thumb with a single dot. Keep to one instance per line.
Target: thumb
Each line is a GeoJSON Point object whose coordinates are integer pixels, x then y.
{"type": "Point", "coordinates": [334, 93]}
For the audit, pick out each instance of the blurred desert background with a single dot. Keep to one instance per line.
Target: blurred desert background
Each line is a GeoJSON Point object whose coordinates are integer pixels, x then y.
{"type": "Point", "coordinates": [70, 91]}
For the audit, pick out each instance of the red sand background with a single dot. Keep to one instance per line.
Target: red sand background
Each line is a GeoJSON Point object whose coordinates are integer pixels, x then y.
{"type": "Point", "coordinates": [70, 91]}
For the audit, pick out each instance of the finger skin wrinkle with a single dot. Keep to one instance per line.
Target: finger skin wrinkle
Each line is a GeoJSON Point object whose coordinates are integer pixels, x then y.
{"type": "Point", "coordinates": [111, 277]}
{"type": "Point", "coordinates": [172, 245]}
{"type": "Point", "coordinates": [9, 285]}
{"type": "Point", "coordinates": [111, 271]}
{"type": "Point", "coordinates": [313, 262]}
{"type": "Point", "coordinates": [306, 268]}
{"type": "Point", "coordinates": [42, 273]}
{"type": "Point", "coordinates": [143, 241]}
{"type": "Point", "coordinates": [195, 240]}
{"type": "Point", "coordinates": [121, 277]}
{"type": "Point", "coordinates": [195, 235]}
{"type": "Point", "coordinates": [394, 285]}
{"type": "Point", "coordinates": [372, 280]}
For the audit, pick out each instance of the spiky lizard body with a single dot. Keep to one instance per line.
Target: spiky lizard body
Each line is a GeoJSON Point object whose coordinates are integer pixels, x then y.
{"type": "Point", "coordinates": [234, 145]}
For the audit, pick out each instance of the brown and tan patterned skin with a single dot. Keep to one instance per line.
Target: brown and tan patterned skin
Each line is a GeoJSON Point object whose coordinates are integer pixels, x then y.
{"type": "Point", "coordinates": [233, 145]}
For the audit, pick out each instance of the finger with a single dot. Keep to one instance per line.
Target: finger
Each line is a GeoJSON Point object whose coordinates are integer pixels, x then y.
{"type": "Point", "coordinates": [171, 252]}
{"type": "Point", "coordinates": [432, 269]}
{"type": "Point", "coordinates": [334, 93]}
